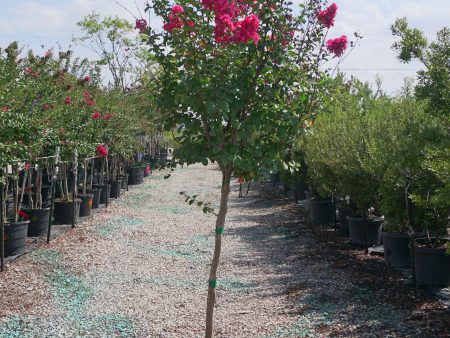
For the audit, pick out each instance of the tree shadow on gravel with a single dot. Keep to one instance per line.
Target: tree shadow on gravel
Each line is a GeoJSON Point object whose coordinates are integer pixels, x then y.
{"type": "Point", "coordinates": [339, 289]}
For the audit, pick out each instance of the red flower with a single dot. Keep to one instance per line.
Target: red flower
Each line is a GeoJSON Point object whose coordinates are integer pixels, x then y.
{"type": "Point", "coordinates": [337, 46]}
{"type": "Point", "coordinates": [87, 95]}
{"type": "Point", "coordinates": [62, 130]}
{"type": "Point", "coordinates": [90, 103]}
{"type": "Point", "coordinates": [28, 71]}
{"type": "Point", "coordinates": [141, 25]}
{"type": "Point", "coordinates": [68, 100]}
{"type": "Point", "coordinates": [45, 106]}
{"type": "Point", "coordinates": [101, 151]}
{"type": "Point", "coordinates": [87, 78]}
{"type": "Point", "coordinates": [108, 116]}
{"type": "Point", "coordinates": [247, 29]}
{"type": "Point", "coordinates": [96, 115]}
{"type": "Point", "coordinates": [326, 17]}
{"type": "Point", "coordinates": [5, 109]}
{"type": "Point", "coordinates": [190, 23]}
{"type": "Point", "coordinates": [174, 20]}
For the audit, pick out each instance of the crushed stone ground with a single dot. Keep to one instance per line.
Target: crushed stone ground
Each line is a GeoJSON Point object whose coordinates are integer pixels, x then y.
{"type": "Point", "coordinates": [140, 269]}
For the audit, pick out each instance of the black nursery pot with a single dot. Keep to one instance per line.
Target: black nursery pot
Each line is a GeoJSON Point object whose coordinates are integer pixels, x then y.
{"type": "Point", "coordinates": [299, 192]}
{"type": "Point", "coordinates": [359, 228]}
{"type": "Point", "coordinates": [396, 249]}
{"type": "Point", "coordinates": [432, 265]}
{"type": "Point", "coordinates": [95, 197]}
{"type": "Point", "coordinates": [86, 205]}
{"type": "Point", "coordinates": [344, 212]}
{"type": "Point", "coordinates": [136, 175]}
{"type": "Point", "coordinates": [105, 191]}
{"type": "Point", "coordinates": [16, 238]}
{"type": "Point", "coordinates": [38, 221]}
{"type": "Point", "coordinates": [124, 181]}
{"type": "Point", "coordinates": [115, 188]}
{"type": "Point", "coordinates": [63, 211]}
{"type": "Point", "coordinates": [322, 212]}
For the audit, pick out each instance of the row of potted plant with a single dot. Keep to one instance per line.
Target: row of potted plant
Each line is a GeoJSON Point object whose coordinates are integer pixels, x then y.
{"type": "Point", "coordinates": [28, 199]}
{"type": "Point", "coordinates": [386, 162]}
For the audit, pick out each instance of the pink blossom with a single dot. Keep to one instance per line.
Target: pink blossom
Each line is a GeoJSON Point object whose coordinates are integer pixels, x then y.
{"type": "Point", "coordinates": [101, 151]}
{"type": "Point", "coordinates": [174, 22]}
{"type": "Point", "coordinates": [326, 17]}
{"type": "Point", "coordinates": [87, 78]}
{"type": "Point", "coordinates": [224, 29]}
{"type": "Point", "coordinates": [338, 45]}
{"type": "Point", "coordinates": [176, 9]}
{"type": "Point", "coordinates": [68, 100]}
{"type": "Point", "coordinates": [96, 115]}
{"type": "Point", "coordinates": [90, 103]}
{"type": "Point", "coordinates": [247, 29]}
{"type": "Point", "coordinates": [5, 109]}
{"type": "Point", "coordinates": [141, 25]}
{"type": "Point", "coordinates": [108, 116]}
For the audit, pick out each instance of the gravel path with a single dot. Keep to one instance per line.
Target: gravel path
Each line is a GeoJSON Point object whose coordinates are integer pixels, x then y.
{"type": "Point", "coordinates": [139, 269]}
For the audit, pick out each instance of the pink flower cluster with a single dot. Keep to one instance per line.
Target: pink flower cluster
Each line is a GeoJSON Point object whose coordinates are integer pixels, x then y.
{"type": "Point", "coordinates": [174, 19]}
{"type": "Point", "coordinates": [101, 151]}
{"type": "Point", "coordinates": [326, 17]}
{"type": "Point", "coordinates": [337, 46]}
{"type": "Point", "coordinates": [141, 25]}
{"type": "Point", "coordinates": [228, 29]}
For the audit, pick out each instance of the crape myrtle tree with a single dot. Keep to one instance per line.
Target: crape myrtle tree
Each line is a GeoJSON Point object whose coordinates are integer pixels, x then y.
{"type": "Point", "coordinates": [240, 80]}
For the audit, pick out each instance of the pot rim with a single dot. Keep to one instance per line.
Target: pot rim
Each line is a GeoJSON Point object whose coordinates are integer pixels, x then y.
{"type": "Point", "coordinates": [376, 218]}
{"type": "Point", "coordinates": [394, 234]}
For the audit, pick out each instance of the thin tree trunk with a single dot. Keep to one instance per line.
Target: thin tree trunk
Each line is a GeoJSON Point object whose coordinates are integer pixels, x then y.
{"type": "Point", "coordinates": [220, 222]}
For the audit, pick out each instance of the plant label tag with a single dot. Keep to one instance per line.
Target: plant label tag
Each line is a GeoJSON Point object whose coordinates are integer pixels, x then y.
{"type": "Point", "coordinates": [9, 169]}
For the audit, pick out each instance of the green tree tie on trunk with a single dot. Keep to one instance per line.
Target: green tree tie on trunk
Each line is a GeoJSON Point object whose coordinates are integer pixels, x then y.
{"type": "Point", "coordinates": [212, 283]}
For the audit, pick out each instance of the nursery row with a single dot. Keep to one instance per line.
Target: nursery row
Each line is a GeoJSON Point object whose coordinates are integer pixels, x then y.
{"type": "Point", "coordinates": [36, 199]}
{"type": "Point", "coordinates": [383, 164]}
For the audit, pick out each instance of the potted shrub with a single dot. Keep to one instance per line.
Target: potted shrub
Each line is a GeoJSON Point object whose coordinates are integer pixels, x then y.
{"type": "Point", "coordinates": [431, 256]}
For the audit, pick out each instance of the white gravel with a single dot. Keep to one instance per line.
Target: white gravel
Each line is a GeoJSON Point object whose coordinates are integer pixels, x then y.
{"type": "Point", "coordinates": [140, 269]}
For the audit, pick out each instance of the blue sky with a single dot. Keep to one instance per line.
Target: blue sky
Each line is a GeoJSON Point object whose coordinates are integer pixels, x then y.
{"type": "Point", "coordinates": [48, 22]}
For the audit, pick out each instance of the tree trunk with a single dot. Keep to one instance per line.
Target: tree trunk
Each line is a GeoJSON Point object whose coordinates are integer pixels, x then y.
{"type": "Point", "coordinates": [220, 222]}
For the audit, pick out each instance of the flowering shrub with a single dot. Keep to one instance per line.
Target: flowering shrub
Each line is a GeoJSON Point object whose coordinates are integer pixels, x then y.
{"type": "Point", "coordinates": [238, 82]}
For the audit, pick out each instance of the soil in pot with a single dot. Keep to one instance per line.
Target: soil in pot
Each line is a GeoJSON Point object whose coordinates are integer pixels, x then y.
{"type": "Point", "coordinates": [86, 205]}
{"type": "Point", "coordinates": [115, 188]}
{"type": "Point", "coordinates": [15, 238]}
{"type": "Point", "coordinates": [63, 211]}
{"type": "Point", "coordinates": [432, 265]}
{"type": "Point", "coordinates": [362, 228]}
{"type": "Point", "coordinates": [397, 252]}
{"type": "Point", "coordinates": [322, 212]}
{"type": "Point", "coordinates": [38, 219]}
{"type": "Point", "coordinates": [95, 197]}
